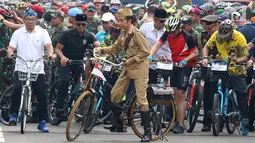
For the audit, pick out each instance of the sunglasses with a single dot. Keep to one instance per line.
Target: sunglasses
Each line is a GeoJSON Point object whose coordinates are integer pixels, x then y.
{"type": "Point", "coordinates": [162, 21]}
{"type": "Point", "coordinates": [81, 24]}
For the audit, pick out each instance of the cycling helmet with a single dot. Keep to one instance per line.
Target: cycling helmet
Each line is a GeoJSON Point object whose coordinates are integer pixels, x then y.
{"type": "Point", "coordinates": [5, 11]}
{"type": "Point", "coordinates": [173, 24]}
{"type": "Point", "coordinates": [22, 5]}
{"type": "Point", "coordinates": [207, 7]}
{"type": "Point", "coordinates": [115, 2]}
{"type": "Point", "coordinates": [71, 4]}
{"type": "Point", "coordinates": [236, 4]}
{"type": "Point", "coordinates": [186, 8]}
{"type": "Point", "coordinates": [220, 5]}
{"type": "Point", "coordinates": [65, 9]}
{"type": "Point", "coordinates": [225, 28]}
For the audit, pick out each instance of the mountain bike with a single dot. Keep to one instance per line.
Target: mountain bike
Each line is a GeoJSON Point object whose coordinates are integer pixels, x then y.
{"type": "Point", "coordinates": [194, 96]}
{"type": "Point", "coordinates": [225, 105]}
{"type": "Point", "coordinates": [74, 90]}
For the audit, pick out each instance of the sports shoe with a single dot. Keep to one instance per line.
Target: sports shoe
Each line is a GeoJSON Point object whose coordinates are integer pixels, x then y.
{"type": "Point", "coordinates": [13, 120]}
{"type": "Point", "coordinates": [245, 128]}
{"type": "Point", "coordinates": [42, 127]}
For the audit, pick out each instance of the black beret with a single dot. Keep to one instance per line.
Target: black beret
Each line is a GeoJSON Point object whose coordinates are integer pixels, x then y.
{"type": "Point", "coordinates": [160, 13]}
{"type": "Point", "coordinates": [81, 17]}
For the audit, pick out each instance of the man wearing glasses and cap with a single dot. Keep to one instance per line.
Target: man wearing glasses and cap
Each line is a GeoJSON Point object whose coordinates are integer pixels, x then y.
{"type": "Point", "coordinates": [94, 24]}
{"type": "Point", "coordinates": [152, 32]}
{"type": "Point", "coordinates": [72, 46]}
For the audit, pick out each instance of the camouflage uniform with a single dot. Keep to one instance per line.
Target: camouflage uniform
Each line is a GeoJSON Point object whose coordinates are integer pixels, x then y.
{"type": "Point", "coordinates": [45, 25]}
{"type": "Point", "coordinates": [198, 28]}
{"type": "Point", "coordinates": [197, 38]}
{"type": "Point", "coordinates": [56, 35]}
{"type": "Point", "coordinates": [93, 25]}
{"type": "Point", "coordinates": [6, 67]}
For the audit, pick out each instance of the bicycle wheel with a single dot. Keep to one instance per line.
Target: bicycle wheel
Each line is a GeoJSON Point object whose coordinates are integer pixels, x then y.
{"type": "Point", "coordinates": [52, 102]}
{"type": "Point", "coordinates": [194, 107]}
{"type": "Point", "coordinates": [161, 123]}
{"type": "Point", "coordinates": [80, 115]}
{"type": "Point", "coordinates": [5, 105]}
{"type": "Point", "coordinates": [216, 118]}
{"type": "Point", "coordinates": [231, 120]}
{"type": "Point", "coordinates": [22, 113]}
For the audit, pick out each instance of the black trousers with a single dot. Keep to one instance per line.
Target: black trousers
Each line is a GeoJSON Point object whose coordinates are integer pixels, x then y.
{"type": "Point", "coordinates": [65, 74]}
{"type": "Point", "coordinates": [208, 104]}
{"type": "Point", "coordinates": [38, 88]}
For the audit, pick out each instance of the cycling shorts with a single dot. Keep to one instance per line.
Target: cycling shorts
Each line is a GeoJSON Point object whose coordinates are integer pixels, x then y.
{"type": "Point", "coordinates": [180, 77]}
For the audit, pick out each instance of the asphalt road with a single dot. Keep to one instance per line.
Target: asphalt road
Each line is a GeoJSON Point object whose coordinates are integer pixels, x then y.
{"type": "Point", "coordinates": [99, 135]}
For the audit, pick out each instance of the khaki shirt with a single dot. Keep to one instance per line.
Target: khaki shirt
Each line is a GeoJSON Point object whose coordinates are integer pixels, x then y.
{"type": "Point", "coordinates": [137, 49]}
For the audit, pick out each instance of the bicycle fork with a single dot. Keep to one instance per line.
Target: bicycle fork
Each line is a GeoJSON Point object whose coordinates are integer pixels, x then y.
{"type": "Point", "coordinates": [27, 100]}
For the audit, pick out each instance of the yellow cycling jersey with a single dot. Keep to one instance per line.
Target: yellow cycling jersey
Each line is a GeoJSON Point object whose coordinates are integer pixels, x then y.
{"type": "Point", "coordinates": [236, 45]}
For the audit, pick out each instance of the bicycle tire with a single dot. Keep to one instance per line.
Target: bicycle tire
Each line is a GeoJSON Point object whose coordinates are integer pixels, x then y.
{"type": "Point", "coordinates": [140, 134]}
{"type": "Point", "coordinates": [230, 119]}
{"type": "Point", "coordinates": [5, 106]}
{"type": "Point", "coordinates": [216, 122]}
{"type": "Point", "coordinates": [196, 105]}
{"type": "Point", "coordinates": [53, 106]}
{"type": "Point", "coordinates": [22, 114]}
{"type": "Point", "coordinates": [84, 119]}
{"type": "Point", "coordinates": [249, 91]}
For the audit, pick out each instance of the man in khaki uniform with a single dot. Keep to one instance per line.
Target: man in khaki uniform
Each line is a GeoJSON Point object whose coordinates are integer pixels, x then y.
{"type": "Point", "coordinates": [136, 66]}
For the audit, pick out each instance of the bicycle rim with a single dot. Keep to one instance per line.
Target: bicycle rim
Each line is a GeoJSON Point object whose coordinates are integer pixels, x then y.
{"type": "Point", "coordinates": [79, 116]}
{"type": "Point", "coordinates": [216, 119]}
{"type": "Point", "coordinates": [160, 125]}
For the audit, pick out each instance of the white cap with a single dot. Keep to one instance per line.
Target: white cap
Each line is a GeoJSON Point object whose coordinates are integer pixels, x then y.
{"type": "Point", "coordinates": [115, 2]}
{"type": "Point", "coordinates": [108, 16]}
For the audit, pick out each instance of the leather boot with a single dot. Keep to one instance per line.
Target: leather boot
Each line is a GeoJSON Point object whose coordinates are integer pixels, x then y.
{"type": "Point", "coordinates": [117, 121]}
{"type": "Point", "coordinates": [146, 125]}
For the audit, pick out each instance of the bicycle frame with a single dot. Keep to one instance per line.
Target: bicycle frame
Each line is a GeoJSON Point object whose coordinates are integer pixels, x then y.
{"type": "Point", "coordinates": [224, 98]}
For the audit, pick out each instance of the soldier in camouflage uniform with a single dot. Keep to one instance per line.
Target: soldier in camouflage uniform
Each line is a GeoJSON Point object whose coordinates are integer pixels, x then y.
{"type": "Point", "coordinates": [94, 24]}
{"type": "Point", "coordinates": [195, 13]}
{"type": "Point", "coordinates": [45, 22]}
{"type": "Point", "coordinates": [187, 26]}
{"type": "Point", "coordinates": [6, 67]}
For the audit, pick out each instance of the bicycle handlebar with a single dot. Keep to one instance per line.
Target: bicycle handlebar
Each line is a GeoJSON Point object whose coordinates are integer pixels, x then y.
{"type": "Point", "coordinates": [107, 61]}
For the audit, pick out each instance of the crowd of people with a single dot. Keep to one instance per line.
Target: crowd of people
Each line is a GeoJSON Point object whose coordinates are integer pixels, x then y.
{"type": "Point", "coordinates": [184, 35]}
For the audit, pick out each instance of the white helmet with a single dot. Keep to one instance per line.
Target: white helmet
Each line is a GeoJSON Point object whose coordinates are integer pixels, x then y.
{"type": "Point", "coordinates": [173, 24]}
{"type": "Point", "coordinates": [115, 2]}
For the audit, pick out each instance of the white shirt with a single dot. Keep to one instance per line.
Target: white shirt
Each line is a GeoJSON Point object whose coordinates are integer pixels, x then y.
{"type": "Point", "coordinates": [152, 35]}
{"type": "Point", "coordinates": [30, 46]}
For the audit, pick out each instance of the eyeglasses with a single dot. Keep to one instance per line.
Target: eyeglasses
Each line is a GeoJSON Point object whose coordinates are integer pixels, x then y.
{"type": "Point", "coordinates": [81, 24]}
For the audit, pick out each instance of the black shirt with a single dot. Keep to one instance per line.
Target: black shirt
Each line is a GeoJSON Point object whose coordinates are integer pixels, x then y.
{"type": "Point", "coordinates": [74, 44]}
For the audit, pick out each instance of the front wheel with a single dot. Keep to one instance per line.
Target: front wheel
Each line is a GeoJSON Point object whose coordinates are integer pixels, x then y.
{"type": "Point", "coordinates": [80, 115]}
{"type": "Point", "coordinates": [194, 106]}
{"type": "Point", "coordinates": [216, 117]}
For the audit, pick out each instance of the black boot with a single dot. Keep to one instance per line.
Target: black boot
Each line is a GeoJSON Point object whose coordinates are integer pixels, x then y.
{"type": "Point", "coordinates": [146, 125]}
{"type": "Point", "coordinates": [117, 121]}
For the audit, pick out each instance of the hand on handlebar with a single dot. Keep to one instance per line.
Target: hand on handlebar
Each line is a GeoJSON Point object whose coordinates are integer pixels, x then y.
{"type": "Point", "coordinates": [150, 58]}
{"type": "Point", "coordinates": [98, 50]}
{"type": "Point", "coordinates": [63, 61]}
{"type": "Point", "coordinates": [204, 62]}
{"type": "Point", "coordinates": [52, 56]}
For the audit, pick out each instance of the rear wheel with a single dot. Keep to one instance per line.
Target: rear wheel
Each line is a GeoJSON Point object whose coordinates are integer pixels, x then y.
{"type": "Point", "coordinates": [161, 117]}
{"type": "Point", "coordinates": [216, 117]}
{"type": "Point", "coordinates": [80, 115]}
{"type": "Point", "coordinates": [194, 107]}
{"type": "Point", "coordinates": [52, 102]}
{"type": "Point", "coordinates": [5, 105]}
